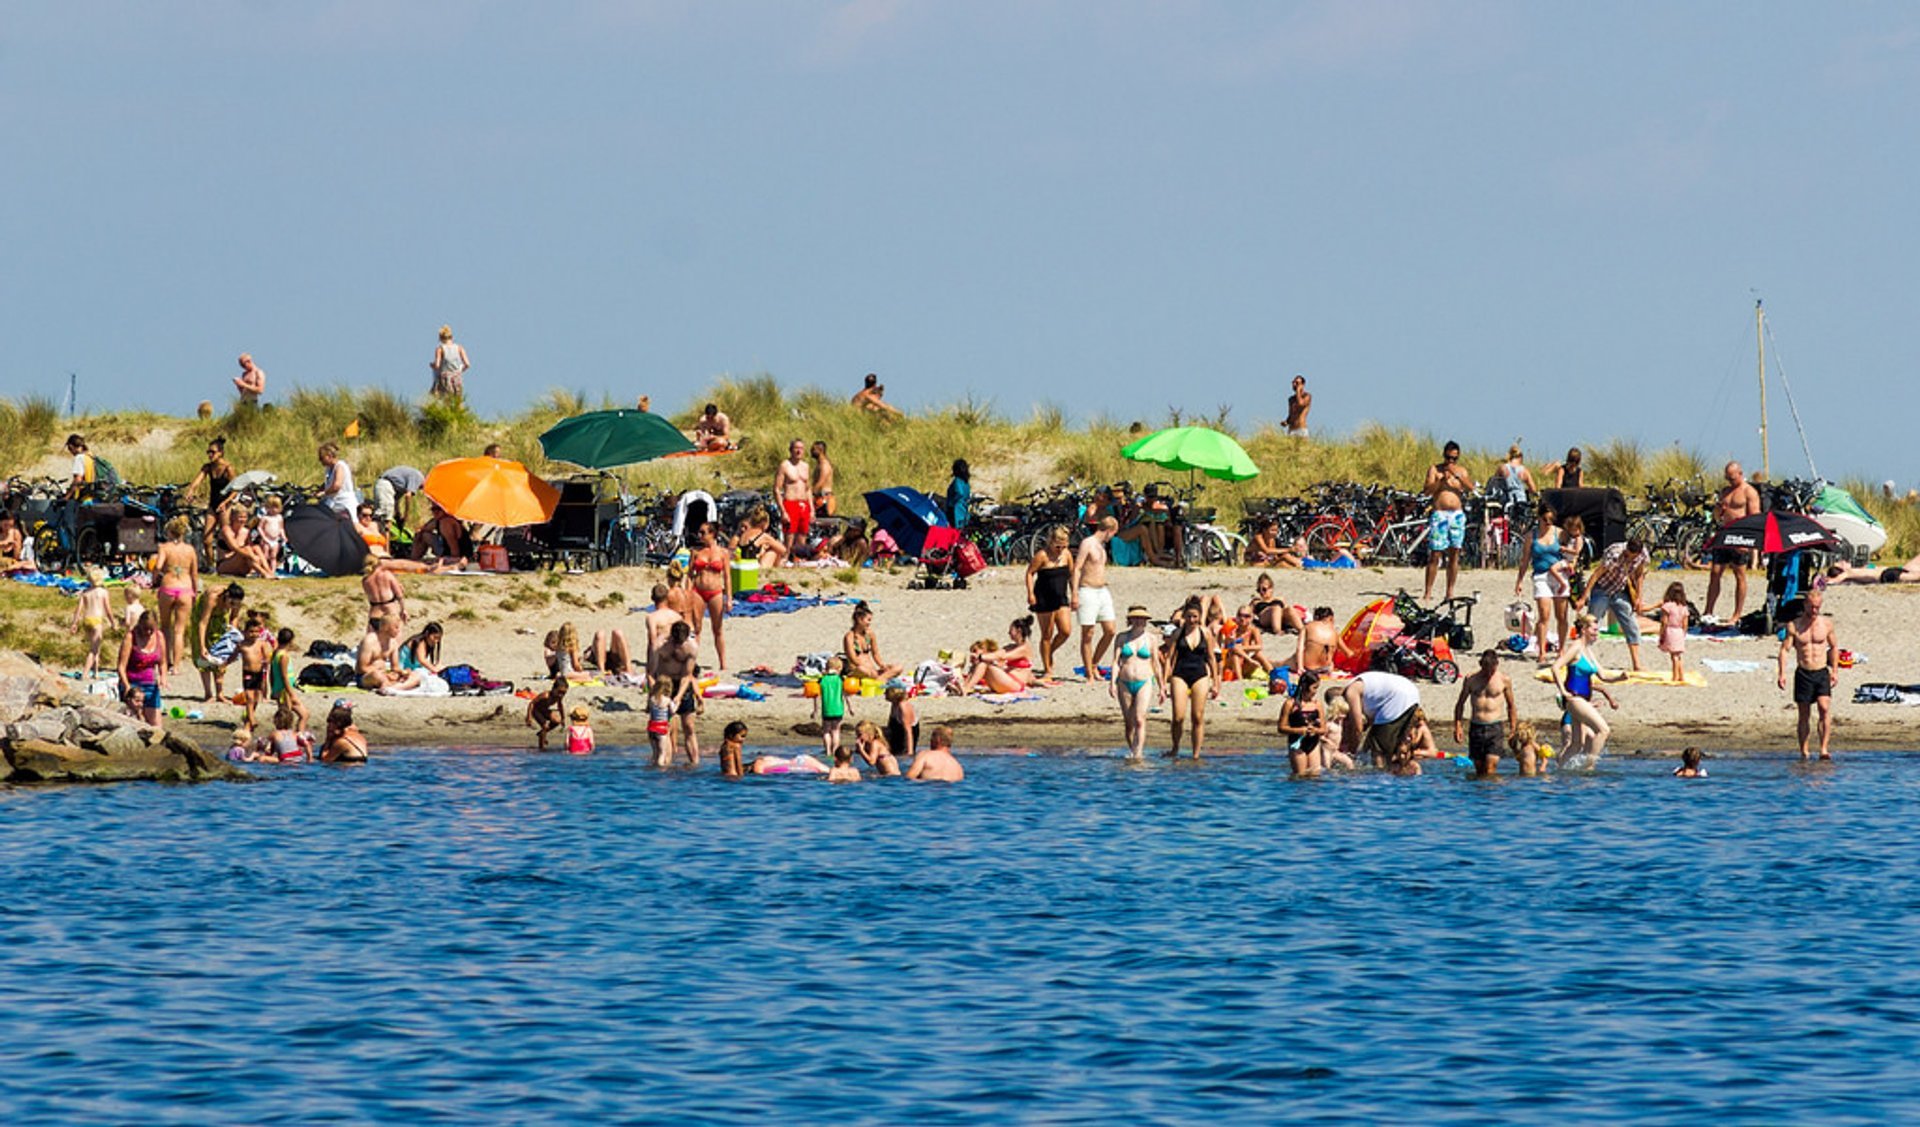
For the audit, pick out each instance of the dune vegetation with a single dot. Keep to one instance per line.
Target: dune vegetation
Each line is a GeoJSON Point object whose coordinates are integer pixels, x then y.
{"type": "Point", "coordinates": [1010, 455]}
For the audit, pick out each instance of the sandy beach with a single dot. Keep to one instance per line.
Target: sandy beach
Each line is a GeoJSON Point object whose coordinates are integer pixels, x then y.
{"type": "Point", "coordinates": [496, 623]}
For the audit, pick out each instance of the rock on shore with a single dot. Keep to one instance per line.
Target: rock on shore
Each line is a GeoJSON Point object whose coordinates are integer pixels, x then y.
{"type": "Point", "coordinates": [54, 732]}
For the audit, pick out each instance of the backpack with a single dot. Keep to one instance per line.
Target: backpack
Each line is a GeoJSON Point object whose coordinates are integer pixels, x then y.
{"type": "Point", "coordinates": [103, 472]}
{"type": "Point", "coordinates": [327, 675]}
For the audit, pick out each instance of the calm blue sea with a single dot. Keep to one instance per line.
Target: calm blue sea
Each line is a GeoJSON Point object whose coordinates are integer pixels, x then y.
{"type": "Point", "coordinates": [452, 936]}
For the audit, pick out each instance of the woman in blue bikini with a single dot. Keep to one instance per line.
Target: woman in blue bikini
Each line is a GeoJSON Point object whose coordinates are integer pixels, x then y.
{"type": "Point", "coordinates": [1138, 683]}
{"type": "Point", "coordinates": [1578, 677]}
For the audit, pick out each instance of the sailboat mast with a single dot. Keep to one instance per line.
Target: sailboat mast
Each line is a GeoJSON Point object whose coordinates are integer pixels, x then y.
{"type": "Point", "coordinates": [1760, 339]}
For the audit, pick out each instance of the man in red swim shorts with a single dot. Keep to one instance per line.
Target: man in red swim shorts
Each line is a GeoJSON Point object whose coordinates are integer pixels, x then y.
{"type": "Point", "coordinates": [793, 484]}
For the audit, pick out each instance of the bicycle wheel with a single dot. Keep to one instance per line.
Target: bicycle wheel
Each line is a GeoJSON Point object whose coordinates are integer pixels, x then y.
{"type": "Point", "coordinates": [1206, 546]}
{"type": "Point", "coordinates": [87, 548]}
{"type": "Point", "coordinates": [1687, 540]}
{"type": "Point", "coordinates": [1324, 541]}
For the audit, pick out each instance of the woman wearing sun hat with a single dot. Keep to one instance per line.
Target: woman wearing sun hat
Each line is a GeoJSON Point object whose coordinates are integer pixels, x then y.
{"type": "Point", "coordinates": [1138, 681]}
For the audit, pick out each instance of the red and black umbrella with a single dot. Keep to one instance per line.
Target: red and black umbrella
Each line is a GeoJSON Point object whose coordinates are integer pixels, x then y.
{"type": "Point", "coordinates": [1772, 533]}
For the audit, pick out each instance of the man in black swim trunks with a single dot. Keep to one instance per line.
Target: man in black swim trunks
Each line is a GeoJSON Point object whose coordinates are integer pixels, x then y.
{"type": "Point", "coordinates": [1817, 665]}
{"type": "Point", "coordinates": [1491, 694]}
{"type": "Point", "coordinates": [1738, 499]}
{"type": "Point", "coordinates": [1841, 573]}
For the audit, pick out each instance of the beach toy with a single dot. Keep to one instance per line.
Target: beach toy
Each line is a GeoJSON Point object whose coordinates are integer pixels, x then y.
{"type": "Point", "coordinates": [810, 687]}
{"type": "Point", "coordinates": [193, 714]}
{"type": "Point", "coordinates": [1256, 693]}
{"type": "Point", "coordinates": [750, 692]}
{"type": "Point", "coordinates": [870, 688]}
{"type": "Point", "coordinates": [177, 712]}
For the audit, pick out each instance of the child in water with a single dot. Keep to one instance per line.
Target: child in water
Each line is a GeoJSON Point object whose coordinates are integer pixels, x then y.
{"type": "Point", "coordinates": [1415, 744]}
{"type": "Point", "coordinates": [1527, 749]}
{"type": "Point", "coordinates": [287, 742]}
{"type": "Point", "coordinates": [1690, 765]}
{"type": "Point", "coordinates": [255, 652]}
{"type": "Point", "coordinates": [90, 616]}
{"type": "Point", "coordinates": [843, 769]}
{"type": "Point", "coordinates": [660, 704]}
{"type": "Point", "coordinates": [579, 733]}
{"type": "Point", "coordinates": [1673, 628]}
{"type": "Point", "coordinates": [240, 751]}
{"type": "Point", "coordinates": [548, 711]}
{"type": "Point", "coordinates": [733, 741]}
{"type": "Point", "coordinates": [831, 706]}
{"type": "Point", "coordinates": [873, 748]}
{"type": "Point", "coordinates": [281, 684]}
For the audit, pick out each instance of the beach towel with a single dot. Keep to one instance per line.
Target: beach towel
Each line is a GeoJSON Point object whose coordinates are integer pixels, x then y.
{"type": "Point", "coordinates": [429, 686]}
{"type": "Point", "coordinates": [758, 603]}
{"type": "Point", "coordinates": [1691, 679]}
{"type": "Point", "coordinates": [1723, 665]}
{"type": "Point", "coordinates": [1009, 698]}
{"type": "Point", "coordinates": [1880, 692]}
{"type": "Point", "coordinates": [1341, 564]}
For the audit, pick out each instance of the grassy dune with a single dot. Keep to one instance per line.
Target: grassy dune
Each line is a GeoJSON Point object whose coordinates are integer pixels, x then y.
{"type": "Point", "coordinates": [1009, 455]}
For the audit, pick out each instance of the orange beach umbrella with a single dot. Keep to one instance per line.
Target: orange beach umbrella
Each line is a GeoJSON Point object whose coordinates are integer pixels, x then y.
{"type": "Point", "coordinates": [491, 491]}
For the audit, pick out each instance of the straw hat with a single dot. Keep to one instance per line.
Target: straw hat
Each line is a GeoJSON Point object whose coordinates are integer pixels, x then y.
{"type": "Point", "coordinates": [1138, 611]}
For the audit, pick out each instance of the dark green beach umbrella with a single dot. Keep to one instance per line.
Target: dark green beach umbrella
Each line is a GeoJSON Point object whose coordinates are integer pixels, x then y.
{"type": "Point", "coordinates": [602, 440]}
{"type": "Point", "coordinates": [1194, 448]}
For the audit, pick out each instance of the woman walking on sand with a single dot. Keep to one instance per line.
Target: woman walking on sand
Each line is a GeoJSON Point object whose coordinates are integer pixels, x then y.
{"type": "Point", "coordinates": [1545, 567]}
{"type": "Point", "coordinates": [176, 580]}
{"type": "Point", "coordinates": [1049, 581]}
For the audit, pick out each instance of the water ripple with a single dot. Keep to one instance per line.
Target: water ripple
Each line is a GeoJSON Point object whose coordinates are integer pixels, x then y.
{"type": "Point", "coordinates": [461, 936]}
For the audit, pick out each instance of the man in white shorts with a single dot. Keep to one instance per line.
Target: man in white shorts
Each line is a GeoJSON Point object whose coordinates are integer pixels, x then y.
{"type": "Point", "coordinates": [1092, 601]}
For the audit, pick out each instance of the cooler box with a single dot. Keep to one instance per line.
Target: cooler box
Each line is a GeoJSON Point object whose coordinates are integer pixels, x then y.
{"type": "Point", "coordinates": [746, 576]}
{"type": "Point", "coordinates": [492, 557]}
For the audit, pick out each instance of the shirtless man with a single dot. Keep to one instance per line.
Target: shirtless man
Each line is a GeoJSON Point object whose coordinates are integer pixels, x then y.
{"type": "Point", "coordinates": [937, 764]}
{"type": "Point", "coordinates": [1447, 483]}
{"type": "Point", "coordinates": [1738, 499]}
{"type": "Point", "coordinates": [1092, 602]}
{"type": "Point", "coordinates": [659, 621]}
{"type": "Point", "coordinates": [1493, 719]}
{"type": "Point", "coordinates": [823, 502]}
{"type": "Point", "coordinates": [792, 484]}
{"type": "Point", "coordinates": [1298, 404]}
{"type": "Point", "coordinates": [1318, 640]}
{"type": "Point", "coordinates": [868, 398]}
{"type": "Point", "coordinates": [385, 598]}
{"type": "Point", "coordinates": [251, 383]}
{"type": "Point", "coordinates": [374, 661]}
{"type": "Point", "coordinates": [713, 430]}
{"type": "Point", "coordinates": [675, 661]}
{"type": "Point", "coordinates": [1817, 655]}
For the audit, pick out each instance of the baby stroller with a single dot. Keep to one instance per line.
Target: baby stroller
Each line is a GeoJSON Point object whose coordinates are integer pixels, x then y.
{"type": "Point", "coordinates": [947, 560]}
{"type": "Point", "coordinates": [1424, 645]}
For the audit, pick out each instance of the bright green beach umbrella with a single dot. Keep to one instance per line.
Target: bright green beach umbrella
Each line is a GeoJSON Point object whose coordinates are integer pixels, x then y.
{"type": "Point", "coordinates": [602, 440]}
{"type": "Point", "coordinates": [1194, 448]}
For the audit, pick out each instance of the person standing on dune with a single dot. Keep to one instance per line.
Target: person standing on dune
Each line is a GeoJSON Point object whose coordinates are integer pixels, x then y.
{"type": "Point", "coordinates": [1298, 404]}
{"type": "Point", "coordinates": [449, 367]}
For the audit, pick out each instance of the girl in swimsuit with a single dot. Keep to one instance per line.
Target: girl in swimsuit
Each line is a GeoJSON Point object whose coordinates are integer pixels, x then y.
{"type": "Point", "coordinates": [1005, 670]}
{"type": "Point", "coordinates": [238, 555]}
{"type": "Point", "coordinates": [903, 725]}
{"type": "Point", "coordinates": [176, 576]}
{"type": "Point", "coordinates": [862, 649]}
{"type": "Point", "coordinates": [1137, 678]}
{"type": "Point", "coordinates": [874, 748]}
{"type": "Point", "coordinates": [288, 743]}
{"type": "Point", "coordinates": [1049, 581]}
{"type": "Point", "coordinates": [1304, 726]}
{"type": "Point", "coordinates": [142, 653]}
{"type": "Point", "coordinates": [1193, 671]}
{"type": "Point", "coordinates": [563, 659]}
{"type": "Point", "coordinates": [422, 651]}
{"type": "Point", "coordinates": [90, 614]}
{"type": "Point", "coordinates": [709, 565]}
{"type": "Point", "coordinates": [756, 536]}
{"type": "Point", "coordinates": [1577, 677]}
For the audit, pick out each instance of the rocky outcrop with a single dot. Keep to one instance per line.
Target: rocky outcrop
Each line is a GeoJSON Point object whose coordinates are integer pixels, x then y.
{"type": "Point", "coordinates": [52, 731]}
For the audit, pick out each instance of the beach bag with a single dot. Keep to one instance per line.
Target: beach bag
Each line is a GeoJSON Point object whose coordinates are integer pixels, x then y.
{"type": "Point", "coordinates": [811, 665]}
{"type": "Point", "coordinates": [460, 676]}
{"type": "Point", "coordinates": [323, 650]}
{"type": "Point", "coordinates": [326, 675]}
{"type": "Point", "coordinates": [967, 559]}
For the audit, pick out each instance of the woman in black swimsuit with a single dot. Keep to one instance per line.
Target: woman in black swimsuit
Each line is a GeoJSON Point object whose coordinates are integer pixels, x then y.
{"type": "Point", "coordinates": [1271, 614]}
{"type": "Point", "coordinates": [345, 742]}
{"type": "Point", "coordinates": [1049, 579]}
{"type": "Point", "coordinates": [1193, 673]}
{"type": "Point", "coordinates": [1302, 725]}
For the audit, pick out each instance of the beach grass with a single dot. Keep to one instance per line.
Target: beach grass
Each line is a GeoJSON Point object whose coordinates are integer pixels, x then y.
{"type": "Point", "coordinates": [1009, 456]}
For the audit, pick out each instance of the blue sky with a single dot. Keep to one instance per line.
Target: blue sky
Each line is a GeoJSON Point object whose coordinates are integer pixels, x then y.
{"type": "Point", "coordinates": [1489, 220]}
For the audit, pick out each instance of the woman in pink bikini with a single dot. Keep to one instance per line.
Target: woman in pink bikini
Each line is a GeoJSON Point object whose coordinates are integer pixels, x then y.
{"type": "Point", "coordinates": [709, 566]}
{"type": "Point", "coordinates": [176, 580]}
{"type": "Point", "coordinates": [1005, 670]}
